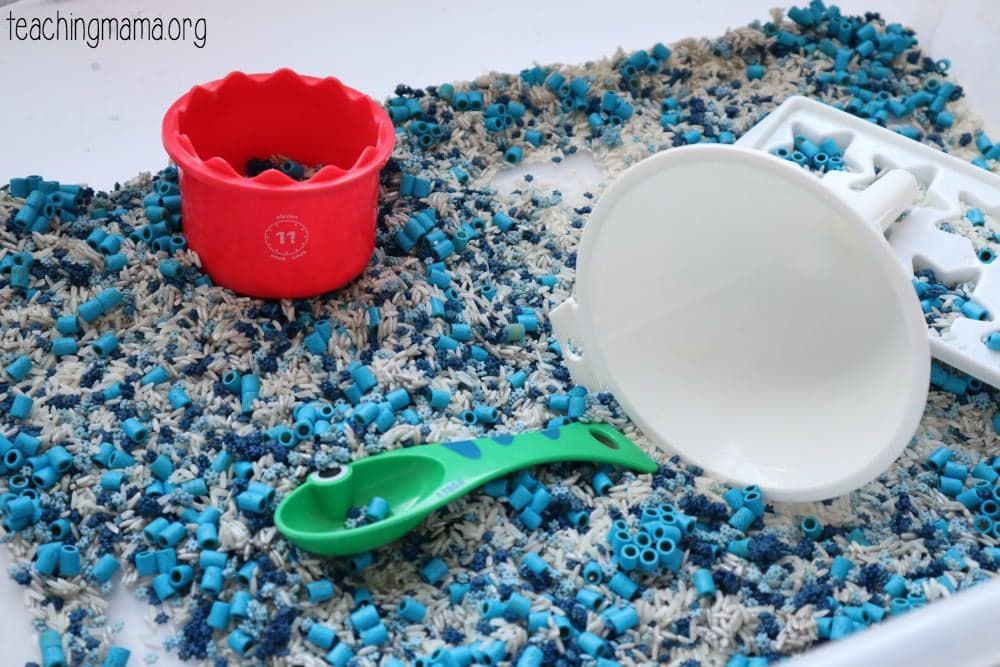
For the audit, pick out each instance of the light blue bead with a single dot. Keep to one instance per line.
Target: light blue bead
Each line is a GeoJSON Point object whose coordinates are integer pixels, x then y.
{"type": "Point", "coordinates": [755, 72]}
{"type": "Point", "coordinates": [19, 368]}
{"type": "Point", "coordinates": [513, 155]}
{"type": "Point", "coordinates": [239, 605]}
{"type": "Point", "coordinates": [627, 557]}
{"type": "Point", "coordinates": [365, 414]}
{"type": "Point", "coordinates": [938, 458]}
{"type": "Point", "coordinates": [50, 645]}
{"type": "Point", "coordinates": [69, 561]}
{"type": "Point", "coordinates": [68, 325]}
{"type": "Point", "coordinates": [115, 262]}
{"type": "Point", "coordinates": [60, 529]}
{"type": "Point", "coordinates": [955, 471]}
{"type": "Point", "coordinates": [166, 560]}
{"type": "Point", "coordinates": [246, 574]}
{"type": "Point", "coordinates": [320, 591]}
{"type": "Point", "coordinates": [239, 641]}
{"type": "Point", "coordinates": [207, 535]}
{"type": "Point", "coordinates": [117, 656]}
{"type": "Point", "coordinates": [20, 278]}
{"type": "Point", "coordinates": [593, 573]}
{"type": "Point", "coordinates": [218, 616]}
{"type": "Point", "coordinates": [622, 620]}
{"type": "Point", "coordinates": [534, 563]}
{"type": "Point", "coordinates": [985, 472]}
{"type": "Point", "coordinates": [112, 480]}
{"type": "Point", "coordinates": [591, 644]}
{"type": "Point", "coordinates": [19, 188]}
{"type": "Point", "coordinates": [178, 398]}
{"type": "Point", "coordinates": [601, 483]}
{"type": "Point", "coordinates": [895, 586]}
{"type": "Point", "coordinates": [340, 655]}
{"type": "Point", "coordinates": [135, 430]}
{"type": "Point", "coordinates": [531, 656]}
{"type": "Point", "coordinates": [161, 467]}
{"type": "Point", "coordinates": [503, 221]}
{"type": "Point", "coordinates": [47, 558]}
{"type": "Point", "coordinates": [457, 592]}
{"type": "Point", "coordinates": [112, 391]}
{"type": "Point", "coordinates": [540, 500]}
{"type": "Point", "coordinates": [495, 651]}
{"type": "Point", "coordinates": [105, 568]}
{"type": "Point", "coordinates": [530, 518]}
{"type": "Point", "coordinates": [20, 407]}
{"type": "Point", "coordinates": [742, 519]}
{"type": "Point", "coordinates": [378, 509]}
{"type": "Point", "coordinates": [486, 414]}
{"type": "Point", "coordinates": [840, 568]}
{"type": "Point", "coordinates": [704, 583]}
{"type": "Point", "coordinates": [590, 598]}
{"type": "Point", "coordinates": [110, 245]}
{"type": "Point", "coordinates": [692, 136]}
{"type": "Point", "coordinates": [106, 344]}
{"type": "Point", "coordinates": [363, 377]}
{"type": "Point", "coordinates": [812, 527]}
{"type": "Point", "coordinates": [63, 347]}
{"type": "Point", "coordinates": [439, 399]}
{"type": "Point", "coordinates": [249, 391]}
{"type": "Point", "coordinates": [556, 82]}
{"type": "Point", "coordinates": [411, 610]}
{"type": "Point", "coordinates": [243, 469]}
{"type": "Point", "coordinates": [154, 528]}
{"type": "Point", "coordinates": [157, 375]}
{"type": "Point", "coordinates": [398, 399]}
{"type": "Point", "coordinates": [172, 534]}
{"type": "Point", "coordinates": [733, 498]}
{"type": "Point", "coordinates": [974, 311]}
{"type": "Point", "coordinates": [211, 580]}
{"type": "Point", "coordinates": [670, 555]}
{"type": "Point", "coordinates": [250, 502]}
{"type": "Point", "coordinates": [375, 636]}
{"type": "Point", "coordinates": [365, 617]}
{"type": "Point", "coordinates": [28, 216]}
{"type": "Point", "coordinates": [461, 331]}
{"type": "Point", "coordinates": [533, 137]}
{"type": "Point", "coordinates": [359, 562]}
{"type": "Point", "coordinates": [109, 299]}
{"type": "Point", "coordinates": [520, 498]}
{"type": "Point", "coordinates": [950, 486]}
{"type": "Point", "coordinates": [975, 217]}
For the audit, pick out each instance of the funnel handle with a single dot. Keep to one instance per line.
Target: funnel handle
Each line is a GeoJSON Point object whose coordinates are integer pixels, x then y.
{"type": "Point", "coordinates": [884, 200]}
{"type": "Point", "coordinates": [565, 319]}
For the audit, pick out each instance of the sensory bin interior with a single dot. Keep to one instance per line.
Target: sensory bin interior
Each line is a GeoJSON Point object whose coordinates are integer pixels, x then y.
{"type": "Point", "coordinates": [152, 421]}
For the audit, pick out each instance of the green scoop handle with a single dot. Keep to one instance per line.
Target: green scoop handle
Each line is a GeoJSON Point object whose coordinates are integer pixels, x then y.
{"type": "Point", "coordinates": [418, 480]}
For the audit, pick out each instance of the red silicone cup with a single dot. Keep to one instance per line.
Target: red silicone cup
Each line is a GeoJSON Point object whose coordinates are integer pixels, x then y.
{"type": "Point", "coordinates": [271, 236]}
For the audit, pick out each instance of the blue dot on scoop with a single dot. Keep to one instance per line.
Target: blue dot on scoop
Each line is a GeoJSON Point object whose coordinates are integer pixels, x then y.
{"type": "Point", "coordinates": [504, 440]}
{"type": "Point", "coordinates": [553, 433]}
{"type": "Point", "coordinates": [465, 448]}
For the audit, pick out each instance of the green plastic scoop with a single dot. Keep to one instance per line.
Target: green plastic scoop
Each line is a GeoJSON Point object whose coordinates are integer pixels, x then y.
{"type": "Point", "coordinates": [418, 480]}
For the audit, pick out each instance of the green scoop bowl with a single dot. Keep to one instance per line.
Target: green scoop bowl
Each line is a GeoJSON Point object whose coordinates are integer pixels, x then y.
{"type": "Point", "coordinates": [418, 480]}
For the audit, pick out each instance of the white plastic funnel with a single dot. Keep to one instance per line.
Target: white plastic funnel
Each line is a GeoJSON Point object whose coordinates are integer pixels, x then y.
{"type": "Point", "coordinates": [752, 319]}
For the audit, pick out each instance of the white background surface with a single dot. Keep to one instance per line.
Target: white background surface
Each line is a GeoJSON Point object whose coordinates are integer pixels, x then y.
{"type": "Point", "coordinates": [78, 114]}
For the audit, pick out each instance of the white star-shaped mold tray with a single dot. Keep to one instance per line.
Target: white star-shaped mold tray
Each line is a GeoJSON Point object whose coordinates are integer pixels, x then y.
{"type": "Point", "coordinates": [949, 185]}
